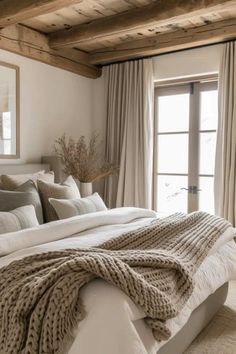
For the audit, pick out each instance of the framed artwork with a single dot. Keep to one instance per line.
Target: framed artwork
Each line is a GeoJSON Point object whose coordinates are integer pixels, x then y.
{"type": "Point", "coordinates": [9, 111]}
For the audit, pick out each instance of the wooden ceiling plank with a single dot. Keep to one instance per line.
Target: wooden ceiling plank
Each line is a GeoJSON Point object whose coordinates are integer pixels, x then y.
{"type": "Point", "coordinates": [15, 11]}
{"type": "Point", "coordinates": [34, 45]}
{"type": "Point", "coordinates": [166, 43]}
{"type": "Point", "coordinates": [161, 12]}
{"type": "Point", "coordinates": [85, 11]}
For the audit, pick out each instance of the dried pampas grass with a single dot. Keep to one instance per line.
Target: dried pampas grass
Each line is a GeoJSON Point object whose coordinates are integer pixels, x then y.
{"type": "Point", "coordinates": [83, 161]}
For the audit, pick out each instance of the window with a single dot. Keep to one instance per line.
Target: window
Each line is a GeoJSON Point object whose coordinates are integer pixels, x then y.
{"type": "Point", "coordinates": [5, 133]}
{"type": "Point", "coordinates": [185, 142]}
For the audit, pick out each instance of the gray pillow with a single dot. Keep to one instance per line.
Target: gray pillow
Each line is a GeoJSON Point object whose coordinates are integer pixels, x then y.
{"type": "Point", "coordinates": [26, 194]}
{"type": "Point", "coordinates": [18, 219]}
{"type": "Point", "coordinates": [72, 207]}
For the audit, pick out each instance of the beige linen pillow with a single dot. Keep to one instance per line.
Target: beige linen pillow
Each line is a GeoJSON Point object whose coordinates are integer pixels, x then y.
{"type": "Point", "coordinates": [66, 190]}
{"type": "Point", "coordinates": [18, 219]}
{"type": "Point", "coordinates": [72, 207]}
{"type": "Point", "coordinates": [11, 182]}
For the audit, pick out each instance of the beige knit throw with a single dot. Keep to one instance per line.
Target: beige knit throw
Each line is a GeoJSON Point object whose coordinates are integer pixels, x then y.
{"type": "Point", "coordinates": [154, 265]}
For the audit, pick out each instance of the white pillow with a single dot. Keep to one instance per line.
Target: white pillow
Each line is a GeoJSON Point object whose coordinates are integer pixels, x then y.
{"type": "Point", "coordinates": [18, 219]}
{"type": "Point", "coordinates": [66, 208]}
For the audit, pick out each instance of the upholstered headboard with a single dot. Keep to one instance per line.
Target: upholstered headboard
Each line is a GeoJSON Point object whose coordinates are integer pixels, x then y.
{"type": "Point", "coordinates": [22, 168]}
{"type": "Point", "coordinates": [56, 166]}
{"type": "Point", "coordinates": [49, 163]}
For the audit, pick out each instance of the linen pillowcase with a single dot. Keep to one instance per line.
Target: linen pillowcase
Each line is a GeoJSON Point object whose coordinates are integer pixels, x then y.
{"type": "Point", "coordinates": [11, 182]}
{"type": "Point", "coordinates": [68, 208]}
{"type": "Point", "coordinates": [18, 219]}
{"type": "Point", "coordinates": [66, 190]}
{"type": "Point", "coordinates": [26, 194]}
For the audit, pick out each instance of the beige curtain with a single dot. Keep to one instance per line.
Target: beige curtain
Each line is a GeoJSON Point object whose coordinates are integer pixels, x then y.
{"type": "Point", "coordinates": [225, 170]}
{"type": "Point", "coordinates": [130, 92]}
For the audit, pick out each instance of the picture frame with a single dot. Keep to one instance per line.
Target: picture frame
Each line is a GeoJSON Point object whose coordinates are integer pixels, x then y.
{"type": "Point", "coordinates": [9, 111]}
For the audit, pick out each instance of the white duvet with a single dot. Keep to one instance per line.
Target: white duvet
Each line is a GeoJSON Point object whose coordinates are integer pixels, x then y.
{"type": "Point", "coordinates": [114, 324]}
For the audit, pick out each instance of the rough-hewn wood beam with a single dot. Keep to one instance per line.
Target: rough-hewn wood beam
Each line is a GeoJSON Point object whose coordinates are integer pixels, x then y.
{"type": "Point", "coordinates": [169, 42]}
{"type": "Point", "coordinates": [161, 12]}
{"type": "Point", "coordinates": [15, 11]}
{"type": "Point", "coordinates": [34, 45]}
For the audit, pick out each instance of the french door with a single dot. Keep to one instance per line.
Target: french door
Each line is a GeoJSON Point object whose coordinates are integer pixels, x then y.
{"type": "Point", "coordinates": [185, 140]}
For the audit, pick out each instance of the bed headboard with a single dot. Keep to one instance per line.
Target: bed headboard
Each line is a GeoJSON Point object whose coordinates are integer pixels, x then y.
{"type": "Point", "coordinates": [19, 169]}
{"type": "Point", "coordinates": [49, 163]}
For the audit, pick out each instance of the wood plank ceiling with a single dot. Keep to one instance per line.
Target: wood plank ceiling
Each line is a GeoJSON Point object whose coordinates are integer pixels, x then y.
{"type": "Point", "coordinates": [82, 35]}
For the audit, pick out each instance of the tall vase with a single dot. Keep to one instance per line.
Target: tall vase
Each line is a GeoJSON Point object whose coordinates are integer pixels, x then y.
{"type": "Point", "coordinates": [86, 189]}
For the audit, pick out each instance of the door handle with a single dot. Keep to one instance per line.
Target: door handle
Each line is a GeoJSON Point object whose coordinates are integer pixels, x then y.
{"type": "Point", "coordinates": [191, 189]}
{"type": "Point", "coordinates": [195, 190]}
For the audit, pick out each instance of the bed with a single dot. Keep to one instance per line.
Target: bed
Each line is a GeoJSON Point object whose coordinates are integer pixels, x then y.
{"type": "Point", "coordinates": [114, 324]}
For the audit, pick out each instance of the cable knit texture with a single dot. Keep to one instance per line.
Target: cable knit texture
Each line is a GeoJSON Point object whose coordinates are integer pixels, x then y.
{"type": "Point", "coordinates": [154, 265]}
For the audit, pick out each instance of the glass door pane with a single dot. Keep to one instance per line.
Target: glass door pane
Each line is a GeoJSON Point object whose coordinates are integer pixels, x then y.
{"type": "Point", "coordinates": [206, 195]}
{"type": "Point", "coordinates": [171, 198]}
{"type": "Point", "coordinates": [173, 113]}
{"type": "Point", "coordinates": [207, 153]}
{"type": "Point", "coordinates": [172, 153]}
{"type": "Point", "coordinates": [209, 110]}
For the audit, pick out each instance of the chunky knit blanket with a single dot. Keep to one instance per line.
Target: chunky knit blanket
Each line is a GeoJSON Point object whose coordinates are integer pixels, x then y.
{"type": "Point", "coordinates": [154, 265]}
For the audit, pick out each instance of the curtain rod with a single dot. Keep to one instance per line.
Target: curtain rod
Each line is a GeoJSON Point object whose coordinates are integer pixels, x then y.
{"type": "Point", "coordinates": [175, 51]}
{"type": "Point", "coordinates": [206, 78]}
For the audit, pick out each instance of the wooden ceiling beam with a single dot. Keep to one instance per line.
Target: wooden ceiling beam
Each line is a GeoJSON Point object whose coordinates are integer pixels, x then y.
{"type": "Point", "coordinates": [166, 43]}
{"type": "Point", "coordinates": [161, 12]}
{"type": "Point", "coordinates": [34, 45]}
{"type": "Point", "coordinates": [15, 11]}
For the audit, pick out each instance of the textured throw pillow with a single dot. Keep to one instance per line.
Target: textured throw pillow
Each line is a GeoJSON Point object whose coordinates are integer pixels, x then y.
{"type": "Point", "coordinates": [26, 194]}
{"type": "Point", "coordinates": [66, 190]}
{"type": "Point", "coordinates": [11, 182]}
{"type": "Point", "coordinates": [68, 208]}
{"type": "Point", "coordinates": [18, 219]}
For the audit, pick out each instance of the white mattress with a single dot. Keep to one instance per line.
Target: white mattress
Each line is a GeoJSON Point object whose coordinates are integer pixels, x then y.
{"type": "Point", "coordinates": [114, 324]}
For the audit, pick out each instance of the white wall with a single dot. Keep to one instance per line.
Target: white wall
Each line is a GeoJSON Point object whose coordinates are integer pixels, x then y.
{"type": "Point", "coordinates": [52, 101]}
{"type": "Point", "coordinates": [188, 63]}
